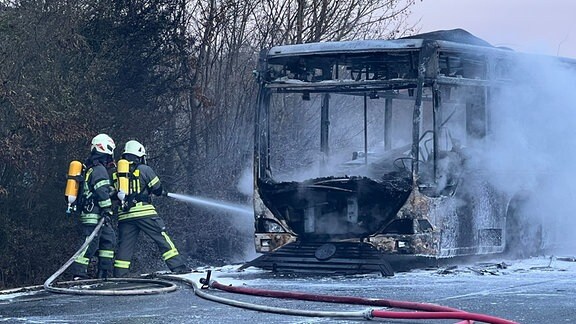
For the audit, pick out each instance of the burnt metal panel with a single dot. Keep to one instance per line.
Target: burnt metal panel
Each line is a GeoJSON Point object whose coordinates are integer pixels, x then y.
{"type": "Point", "coordinates": [378, 203]}
{"type": "Point", "coordinates": [324, 124]}
{"type": "Point", "coordinates": [342, 258]}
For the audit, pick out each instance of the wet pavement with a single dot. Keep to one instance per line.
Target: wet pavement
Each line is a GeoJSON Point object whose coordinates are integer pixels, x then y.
{"type": "Point", "coordinates": [538, 290]}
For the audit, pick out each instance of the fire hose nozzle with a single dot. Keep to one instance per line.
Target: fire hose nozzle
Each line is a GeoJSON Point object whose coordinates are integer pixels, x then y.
{"type": "Point", "coordinates": [121, 195]}
{"type": "Point", "coordinates": [206, 281]}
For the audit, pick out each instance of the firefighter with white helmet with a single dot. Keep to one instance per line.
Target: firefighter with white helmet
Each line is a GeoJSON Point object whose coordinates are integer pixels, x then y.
{"type": "Point", "coordinates": [138, 213]}
{"type": "Point", "coordinates": [96, 191]}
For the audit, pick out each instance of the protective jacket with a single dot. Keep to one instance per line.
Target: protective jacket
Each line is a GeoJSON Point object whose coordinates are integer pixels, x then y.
{"type": "Point", "coordinates": [139, 215]}
{"type": "Point", "coordinates": [96, 194]}
{"type": "Point", "coordinates": [143, 182]}
{"type": "Point", "coordinates": [97, 189]}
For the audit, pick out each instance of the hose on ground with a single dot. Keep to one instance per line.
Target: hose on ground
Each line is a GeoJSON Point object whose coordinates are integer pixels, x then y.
{"type": "Point", "coordinates": [21, 290]}
{"type": "Point", "coordinates": [333, 299]}
{"type": "Point", "coordinates": [48, 282]}
{"type": "Point", "coordinates": [165, 286]}
{"type": "Point", "coordinates": [424, 310]}
{"type": "Point", "coordinates": [269, 309]}
{"type": "Point", "coordinates": [462, 315]}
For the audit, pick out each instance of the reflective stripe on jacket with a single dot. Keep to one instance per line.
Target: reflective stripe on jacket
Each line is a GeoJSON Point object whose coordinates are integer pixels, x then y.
{"type": "Point", "coordinates": [142, 183]}
{"type": "Point", "coordinates": [96, 192]}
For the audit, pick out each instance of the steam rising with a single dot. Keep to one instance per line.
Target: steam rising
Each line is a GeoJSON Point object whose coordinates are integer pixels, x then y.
{"type": "Point", "coordinates": [533, 145]}
{"type": "Point", "coordinates": [246, 182]}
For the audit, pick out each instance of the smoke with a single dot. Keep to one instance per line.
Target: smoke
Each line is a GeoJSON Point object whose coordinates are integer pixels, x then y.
{"type": "Point", "coordinates": [246, 224]}
{"type": "Point", "coordinates": [295, 149]}
{"type": "Point", "coordinates": [532, 147]}
{"type": "Point", "coordinates": [246, 182]}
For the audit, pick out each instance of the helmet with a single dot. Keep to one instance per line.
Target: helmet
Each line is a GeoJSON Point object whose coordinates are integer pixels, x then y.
{"type": "Point", "coordinates": [103, 143]}
{"type": "Point", "coordinates": [134, 147]}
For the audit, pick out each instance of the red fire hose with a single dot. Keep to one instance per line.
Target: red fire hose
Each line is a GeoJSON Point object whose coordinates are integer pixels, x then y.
{"type": "Point", "coordinates": [333, 299]}
{"type": "Point", "coordinates": [425, 311]}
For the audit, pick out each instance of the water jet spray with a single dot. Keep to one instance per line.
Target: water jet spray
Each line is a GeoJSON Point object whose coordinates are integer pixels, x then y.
{"type": "Point", "coordinates": [212, 203]}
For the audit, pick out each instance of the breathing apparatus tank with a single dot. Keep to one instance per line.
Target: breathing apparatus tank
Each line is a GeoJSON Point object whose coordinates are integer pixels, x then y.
{"type": "Point", "coordinates": [73, 183]}
{"type": "Point", "coordinates": [123, 177]}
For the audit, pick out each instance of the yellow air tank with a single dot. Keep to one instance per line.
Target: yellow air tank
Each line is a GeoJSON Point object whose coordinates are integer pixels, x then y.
{"type": "Point", "coordinates": [73, 182]}
{"type": "Point", "coordinates": [123, 173]}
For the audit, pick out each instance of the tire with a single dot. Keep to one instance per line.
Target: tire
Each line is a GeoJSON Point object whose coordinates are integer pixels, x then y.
{"type": "Point", "coordinates": [523, 231]}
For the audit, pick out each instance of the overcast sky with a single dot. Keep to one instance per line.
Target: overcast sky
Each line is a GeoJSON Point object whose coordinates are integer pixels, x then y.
{"type": "Point", "coordinates": [537, 26]}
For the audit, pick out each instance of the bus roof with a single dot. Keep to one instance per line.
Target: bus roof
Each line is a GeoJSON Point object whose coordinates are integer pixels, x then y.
{"type": "Point", "coordinates": [456, 38]}
{"type": "Point", "coordinates": [344, 46]}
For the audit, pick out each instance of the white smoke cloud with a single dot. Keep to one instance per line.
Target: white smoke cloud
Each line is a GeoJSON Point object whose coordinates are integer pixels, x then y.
{"type": "Point", "coordinates": [246, 182]}
{"type": "Point", "coordinates": [245, 222]}
{"type": "Point", "coordinates": [533, 144]}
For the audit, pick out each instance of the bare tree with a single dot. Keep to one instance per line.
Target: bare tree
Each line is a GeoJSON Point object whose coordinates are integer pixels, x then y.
{"type": "Point", "coordinates": [304, 21]}
{"type": "Point", "coordinates": [183, 70]}
{"type": "Point", "coordinates": [214, 138]}
{"type": "Point", "coordinates": [229, 34]}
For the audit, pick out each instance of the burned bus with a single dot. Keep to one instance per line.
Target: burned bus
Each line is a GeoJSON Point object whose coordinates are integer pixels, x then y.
{"type": "Point", "coordinates": [362, 154]}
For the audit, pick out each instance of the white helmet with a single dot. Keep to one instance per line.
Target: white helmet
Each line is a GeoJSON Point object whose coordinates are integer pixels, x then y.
{"type": "Point", "coordinates": [103, 143]}
{"type": "Point", "coordinates": [134, 147]}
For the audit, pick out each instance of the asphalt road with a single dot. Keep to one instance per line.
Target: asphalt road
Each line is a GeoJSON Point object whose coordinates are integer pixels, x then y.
{"type": "Point", "coordinates": [538, 290]}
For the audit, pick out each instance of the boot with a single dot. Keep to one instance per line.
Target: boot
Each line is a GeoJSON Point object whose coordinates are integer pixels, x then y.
{"type": "Point", "coordinates": [80, 276]}
{"type": "Point", "coordinates": [103, 274]}
{"type": "Point", "coordinates": [181, 270]}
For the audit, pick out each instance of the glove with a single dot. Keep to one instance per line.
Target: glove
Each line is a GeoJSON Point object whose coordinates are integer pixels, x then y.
{"type": "Point", "coordinates": [164, 193]}
{"type": "Point", "coordinates": [113, 193]}
{"type": "Point", "coordinates": [107, 215]}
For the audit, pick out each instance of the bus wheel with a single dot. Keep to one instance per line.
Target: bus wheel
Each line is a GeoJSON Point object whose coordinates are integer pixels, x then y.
{"type": "Point", "coordinates": [523, 230]}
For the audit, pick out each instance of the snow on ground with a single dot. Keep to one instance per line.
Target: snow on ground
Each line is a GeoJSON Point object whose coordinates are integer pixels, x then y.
{"type": "Point", "coordinates": [549, 265]}
{"type": "Point", "coordinates": [545, 267]}
{"type": "Point", "coordinates": [535, 290]}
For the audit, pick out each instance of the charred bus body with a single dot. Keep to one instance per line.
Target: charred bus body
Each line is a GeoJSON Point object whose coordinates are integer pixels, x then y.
{"type": "Point", "coordinates": [361, 153]}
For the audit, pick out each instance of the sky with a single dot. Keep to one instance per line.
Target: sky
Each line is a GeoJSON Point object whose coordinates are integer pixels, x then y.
{"type": "Point", "coordinates": [536, 26]}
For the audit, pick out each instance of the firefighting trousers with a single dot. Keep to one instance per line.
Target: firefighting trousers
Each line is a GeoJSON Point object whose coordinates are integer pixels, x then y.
{"type": "Point", "coordinates": [102, 245]}
{"type": "Point", "coordinates": [154, 227]}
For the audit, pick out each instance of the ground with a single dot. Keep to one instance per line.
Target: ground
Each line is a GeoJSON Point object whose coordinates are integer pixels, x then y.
{"type": "Point", "coordinates": [536, 290]}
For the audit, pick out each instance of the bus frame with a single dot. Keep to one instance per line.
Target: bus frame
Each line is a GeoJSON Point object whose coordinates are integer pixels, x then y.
{"type": "Point", "coordinates": [420, 206]}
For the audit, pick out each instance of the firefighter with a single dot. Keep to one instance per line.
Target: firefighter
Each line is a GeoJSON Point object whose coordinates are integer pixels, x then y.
{"type": "Point", "coordinates": [138, 214]}
{"type": "Point", "coordinates": [97, 190]}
